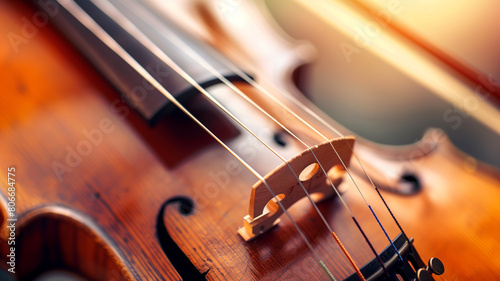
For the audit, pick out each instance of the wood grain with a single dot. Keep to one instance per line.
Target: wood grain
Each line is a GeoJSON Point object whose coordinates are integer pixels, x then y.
{"type": "Point", "coordinates": [98, 218]}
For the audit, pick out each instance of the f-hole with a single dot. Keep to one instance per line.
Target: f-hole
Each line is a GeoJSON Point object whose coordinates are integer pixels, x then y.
{"type": "Point", "coordinates": [179, 260]}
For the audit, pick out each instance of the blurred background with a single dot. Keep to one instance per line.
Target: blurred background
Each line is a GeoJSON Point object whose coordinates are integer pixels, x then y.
{"type": "Point", "coordinates": [363, 86]}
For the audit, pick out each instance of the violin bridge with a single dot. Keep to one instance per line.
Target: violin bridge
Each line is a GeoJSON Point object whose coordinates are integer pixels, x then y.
{"type": "Point", "coordinates": [264, 211]}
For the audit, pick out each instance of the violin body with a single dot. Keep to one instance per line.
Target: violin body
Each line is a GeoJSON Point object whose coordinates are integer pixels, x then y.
{"type": "Point", "coordinates": [100, 192]}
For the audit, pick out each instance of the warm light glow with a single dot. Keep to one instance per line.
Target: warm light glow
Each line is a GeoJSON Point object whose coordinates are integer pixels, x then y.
{"type": "Point", "coordinates": [406, 57]}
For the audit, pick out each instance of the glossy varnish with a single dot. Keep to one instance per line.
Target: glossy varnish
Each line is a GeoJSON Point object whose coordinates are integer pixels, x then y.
{"type": "Point", "coordinates": [92, 176]}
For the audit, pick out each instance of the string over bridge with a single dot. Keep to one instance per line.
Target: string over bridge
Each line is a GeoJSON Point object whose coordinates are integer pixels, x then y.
{"type": "Point", "coordinates": [263, 210]}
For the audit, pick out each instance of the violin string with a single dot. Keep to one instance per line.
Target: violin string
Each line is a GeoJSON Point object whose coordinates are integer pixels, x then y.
{"type": "Point", "coordinates": [97, 30]}
{"type": "Point", "coordinates": [204, 63]}
{"type": "Point", "coordinates": [326, 124]}
{"type": "Point", "coordinates": [207, 66]}
{"type": "Point", "coordinates": [130, 27]}
{"type": "Point", "coordinates": [188, 50]}
{"type": "Point", "coordinates": [368, 177]}
{"type": "Point", "coordinates": [139, 35]}
{"type": "Point", "coordinates": [255, 84]}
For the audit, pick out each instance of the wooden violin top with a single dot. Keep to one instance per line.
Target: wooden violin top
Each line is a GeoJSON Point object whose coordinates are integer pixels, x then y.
{"type": "Point", "coordinates": [100, 192]}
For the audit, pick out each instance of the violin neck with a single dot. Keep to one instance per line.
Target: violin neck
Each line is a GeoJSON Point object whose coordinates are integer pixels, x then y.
{"type": "Point", "coordinates": [75, 19]}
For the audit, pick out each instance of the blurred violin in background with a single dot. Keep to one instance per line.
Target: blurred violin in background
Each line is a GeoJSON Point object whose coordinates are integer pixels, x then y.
{"type": "Point", "coordinates": [187, 140]}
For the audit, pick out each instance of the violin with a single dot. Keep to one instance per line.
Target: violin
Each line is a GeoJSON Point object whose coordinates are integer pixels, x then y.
{"type": "Point", "coordinates": [146, 141]}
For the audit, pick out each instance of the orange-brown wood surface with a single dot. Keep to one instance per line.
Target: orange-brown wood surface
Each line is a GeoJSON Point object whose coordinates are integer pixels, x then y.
{"type": "Point", "coordinates": [91, 177]}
